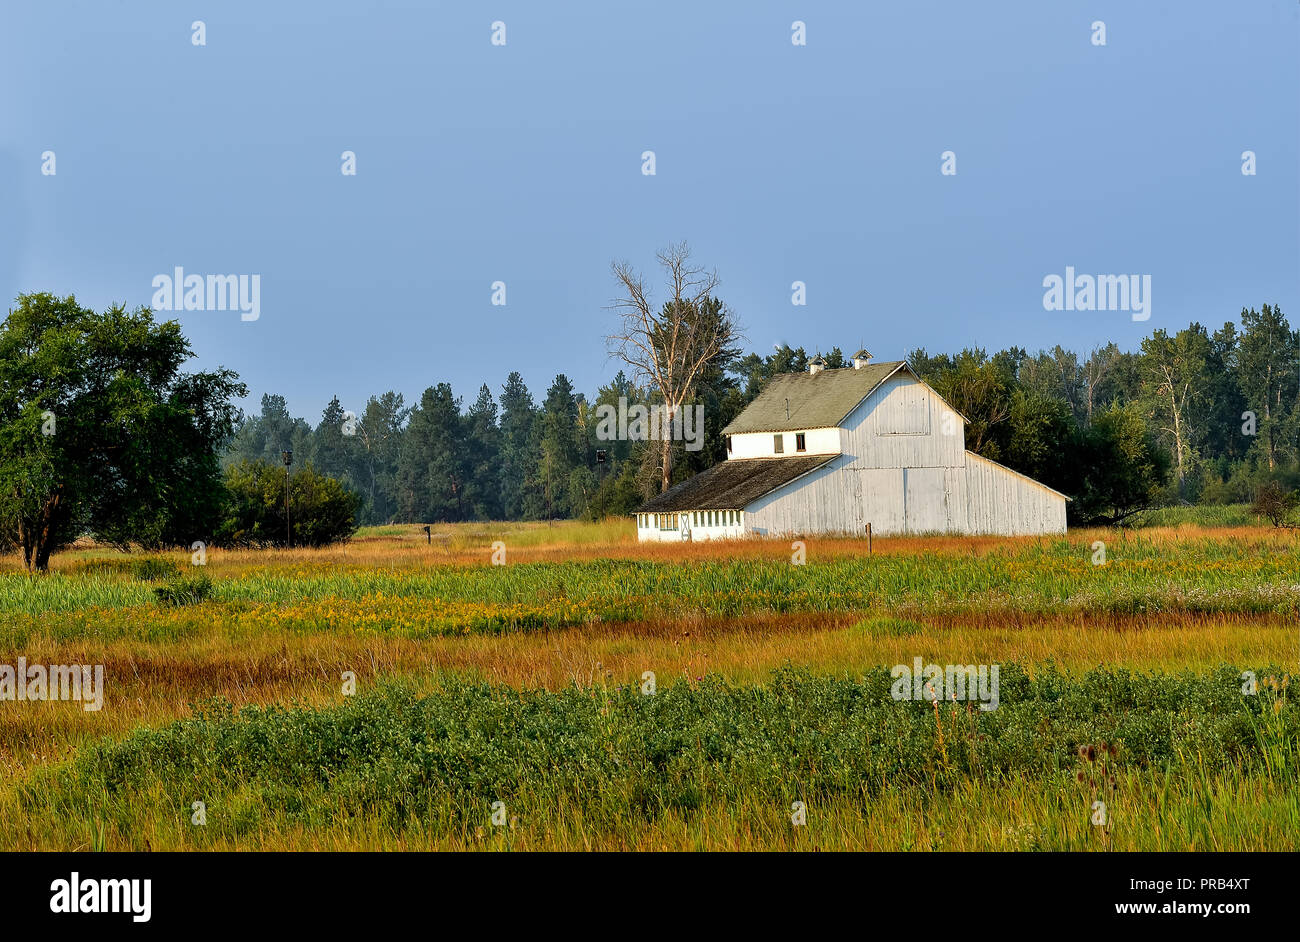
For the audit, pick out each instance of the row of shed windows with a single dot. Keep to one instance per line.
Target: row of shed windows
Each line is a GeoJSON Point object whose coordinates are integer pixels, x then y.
{"type": "Point", "coordinates": [778, 443]}
{"type": "Point", "coordinates": [800, 443]}
{"type": "Point", "coordinates": [696, 518]}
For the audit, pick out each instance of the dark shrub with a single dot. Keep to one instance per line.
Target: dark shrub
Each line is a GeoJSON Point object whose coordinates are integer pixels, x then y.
{"type": "Point", "coordinates": [184, 590]}
{"type": "Point", "coordinates": [151, 569]}
{"type": "Point", "coordinates": [321, 509]}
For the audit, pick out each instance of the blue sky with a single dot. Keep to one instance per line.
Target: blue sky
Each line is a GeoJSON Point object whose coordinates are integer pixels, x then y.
{"type": "Point", "coordinates": [522, 163]}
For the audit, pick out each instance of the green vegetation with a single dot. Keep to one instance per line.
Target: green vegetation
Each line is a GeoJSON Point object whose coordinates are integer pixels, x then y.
{"type": "Point", "coordinates": [1195, 417]}
{"type": "Point", "coordinates": [1050, 577]}
{"type": "Point", "coordinates": [393, 764]}
{"type": "Point", "coordinates": [184, 590]}
{"type": "Point", "coordinates": [153, 568]}
{"type": "Point", "coordinates": [101, 432]}
{"type": "Point", "coordinates": [320, 509]}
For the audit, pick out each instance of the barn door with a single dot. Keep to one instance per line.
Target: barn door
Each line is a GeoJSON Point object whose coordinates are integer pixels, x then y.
{"type": "Point", "coordinates": [925, 500]}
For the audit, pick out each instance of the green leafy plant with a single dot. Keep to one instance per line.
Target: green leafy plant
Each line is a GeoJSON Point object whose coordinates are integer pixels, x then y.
{"type": "Point", "coordinates": [184, 590]}
{"type": "Point", "coordinates": [152, 568]}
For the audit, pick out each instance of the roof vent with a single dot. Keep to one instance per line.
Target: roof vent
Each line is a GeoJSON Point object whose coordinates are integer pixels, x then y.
{"type": "Point", "coordinates": [816, 365]}
{"type": "Point", "coordinates": [861, 359]}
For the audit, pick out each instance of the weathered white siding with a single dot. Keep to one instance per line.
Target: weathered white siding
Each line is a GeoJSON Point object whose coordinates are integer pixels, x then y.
{"type": "Point", "coordinates": [904, 424]}
{"type": "Point", "coordinates": [828, 500]}
{"type": "Point", "coordinates": [979, 497]}
{"type": "Point", "coordinates": [1001, 501]}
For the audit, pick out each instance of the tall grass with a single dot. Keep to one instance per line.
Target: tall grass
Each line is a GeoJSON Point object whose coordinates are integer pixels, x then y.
{"type": "Point", "coordinates": [1204, 515]}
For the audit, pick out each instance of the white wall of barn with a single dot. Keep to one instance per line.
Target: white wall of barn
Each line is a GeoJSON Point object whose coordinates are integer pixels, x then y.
{"type": "Point", "coordinates": [904, 424]}
{"type": "Point", "coordinates": [817, 441]}
{"type": "Point", "coordinates": [1004, 502]}
{"type": "Point", "coordinates": [982, 497]}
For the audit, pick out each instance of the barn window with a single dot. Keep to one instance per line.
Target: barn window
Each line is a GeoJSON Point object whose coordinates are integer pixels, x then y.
{"type": "Point", "coordinates": [800, 442]}
{"type": "Point", "coordinates": [728, 444]}
{"type": "Point", "coordinates": [778, 444]}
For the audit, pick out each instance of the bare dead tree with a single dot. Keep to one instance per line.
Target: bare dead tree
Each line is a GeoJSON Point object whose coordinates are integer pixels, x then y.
{"type": "Point", "coordinates": [669, 346]}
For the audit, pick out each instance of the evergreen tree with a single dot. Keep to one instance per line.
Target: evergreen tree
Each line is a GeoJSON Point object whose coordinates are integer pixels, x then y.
{"type": "Point", "coordinates": [560, 445]}
{"type": "Point", "coordinates": [431, 471]}
{"type": "Point", "coordinates": [331, 450]}
{"type": "Point", "coordinates": [483, 439]}
{"type": "Point", "coordinates": [521, 494]}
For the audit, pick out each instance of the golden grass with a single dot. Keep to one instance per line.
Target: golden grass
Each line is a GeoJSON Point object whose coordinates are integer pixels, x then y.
{"type": "Point", "coordinates": [403, 545]}
{"type": "Point", "coordinates": [153, 683]}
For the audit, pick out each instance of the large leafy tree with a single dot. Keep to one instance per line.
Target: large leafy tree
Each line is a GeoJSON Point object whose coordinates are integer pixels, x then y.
{"type": "Point", "coordinates": [1267, 357]}
{"type": "Point", "coordinates": [101, 432]}
{"type": "Point", "coordinates": [1121, 468]}
{"type": "Point", "coordinates": [977, 386]}
{"type": "Point", "coordinates": [1175, 392]}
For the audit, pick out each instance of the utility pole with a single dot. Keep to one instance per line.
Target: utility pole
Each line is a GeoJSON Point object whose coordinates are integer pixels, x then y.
{"type": "Point", "coordinates": [288, 532]}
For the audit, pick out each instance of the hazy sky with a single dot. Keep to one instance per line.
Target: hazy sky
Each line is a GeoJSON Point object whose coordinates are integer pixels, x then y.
{"type": "Point", "coordinates": [522, 163]}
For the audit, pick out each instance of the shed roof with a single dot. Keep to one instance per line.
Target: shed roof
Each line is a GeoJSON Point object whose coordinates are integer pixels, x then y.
{"type": "Point", "coordinates": [817, 400]}
{"type": "Point", "coordinates": [733, 484]}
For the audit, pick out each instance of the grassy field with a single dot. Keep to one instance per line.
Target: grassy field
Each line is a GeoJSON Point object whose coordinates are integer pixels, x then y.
{"type": "Point", "coordinates": [521, 684]}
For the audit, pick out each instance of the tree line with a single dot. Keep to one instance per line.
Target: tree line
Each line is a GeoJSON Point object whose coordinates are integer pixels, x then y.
{"type": "Point", "coordinates": [1189, 417]}
{"type": "Point", "coordinates": [103, 434]}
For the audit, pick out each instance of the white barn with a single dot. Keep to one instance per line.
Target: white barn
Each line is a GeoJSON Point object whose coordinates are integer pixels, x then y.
{"type": "Point", "coordinates": [831, 451]}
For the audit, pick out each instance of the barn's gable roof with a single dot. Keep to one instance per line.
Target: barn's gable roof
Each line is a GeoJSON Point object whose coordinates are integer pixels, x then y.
{"type": "Point", "coordinates": [817, 400]}
{"type": "Point", "coordinates": [733, 485]}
